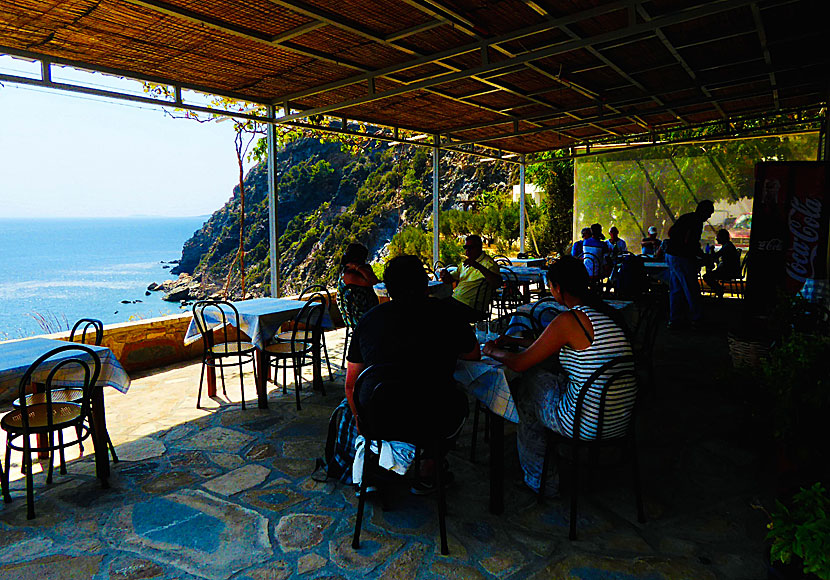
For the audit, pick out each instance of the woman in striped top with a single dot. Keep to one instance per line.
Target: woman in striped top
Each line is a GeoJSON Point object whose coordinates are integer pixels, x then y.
{"type": "Point", "coordinates": [584, 337]}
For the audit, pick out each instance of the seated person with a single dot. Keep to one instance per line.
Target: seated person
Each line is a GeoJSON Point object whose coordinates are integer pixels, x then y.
{"type": "Point", "coordinates": [425, 336]}
{"type": "Point", "coordinates": [576, 249]}
{"type": "Point", "coordinates": [616, 244]}
{"type": "Point", "coordinates": [730, 263]}
{"type": "Point", "coordinates": [477, 269]}
{"type": "Point", "coordinates": [650, 243]}
{"type": "Point", "coordinates": [598, 265]}
{"type": "Point", "coordinates": [355, 292]}
{"type": "Point", "coordinates": [581, 339]}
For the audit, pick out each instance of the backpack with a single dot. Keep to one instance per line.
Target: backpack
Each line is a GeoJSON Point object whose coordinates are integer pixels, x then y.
{"type": "Point", "coordinates": [630, 279]}
{"type": "Point", "coordinates": [340, 451]}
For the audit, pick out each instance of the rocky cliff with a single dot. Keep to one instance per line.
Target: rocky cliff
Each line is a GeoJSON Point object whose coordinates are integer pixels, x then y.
{"type": "Point", "coordinates": [329, 195]}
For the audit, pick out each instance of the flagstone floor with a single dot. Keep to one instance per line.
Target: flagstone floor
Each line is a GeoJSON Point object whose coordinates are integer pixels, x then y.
{"type": "Point", "coordinates": [224, 493]}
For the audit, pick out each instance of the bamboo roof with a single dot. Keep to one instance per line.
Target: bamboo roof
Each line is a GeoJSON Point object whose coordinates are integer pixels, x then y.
{"type": "Point", "coordinates": [520, 76]}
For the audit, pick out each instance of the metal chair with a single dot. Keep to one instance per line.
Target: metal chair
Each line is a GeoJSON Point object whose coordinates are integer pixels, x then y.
{"type": "Point", "coordinates": [644, 335]}
{"type": "Point", "coordinates": [50, 416]}
{"type": "Point", "coordinates": [85, 328]}
{"type": "Point", "coordinates": [352, 310]}
{"type": "Point", "coordinates": [611, 374]}
{"type": "Point", "coordinates": [388, 381]}
{"type": "Point", "coordinates": [502, 261]}
{"type": "Point", "coordinates": [308, 335]}
{"type": "Point", "coordinates": [297, 352]}
{"type": "Point", "coordinates": [508, 297]}
{"type": "Point", "coordinates": [231, 351]}
{"type": "Point", "coordinates": [541, 310]}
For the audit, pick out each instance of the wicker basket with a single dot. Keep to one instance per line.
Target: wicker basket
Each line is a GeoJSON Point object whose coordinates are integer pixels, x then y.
{"type": "Point", "coordinates": [747, 352]}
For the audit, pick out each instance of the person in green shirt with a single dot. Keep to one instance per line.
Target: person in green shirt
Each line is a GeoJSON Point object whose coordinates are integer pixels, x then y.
{"type": "Point", "coordinates": [477, 269]}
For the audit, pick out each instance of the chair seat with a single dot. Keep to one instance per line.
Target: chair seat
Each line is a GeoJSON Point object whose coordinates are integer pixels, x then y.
{"type": "Point", "coordinates": [62, 414]}
{"type": "Point", "coordinates": [64, 395]}
{"type": "Point", "coordinates": [279, 348]}
{"type": "Point", "coordinates": [227, 348]}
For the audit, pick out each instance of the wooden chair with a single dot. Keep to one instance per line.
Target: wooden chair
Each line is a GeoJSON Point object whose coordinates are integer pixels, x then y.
{"type": "Point", "coordinates": [297, 352]}
{"type": "Point", "coordinates": [387, 381]}
{"type": "Point", "coordinates": [307, 335]}
{"type": "Point", "coordinates": [598, 385]}
{"type": "Point", "coordinates": [51, 414]}
{"type": "Point", "coordinates": [230, 351]}
{"type": "Point", "coordinates": [86, 329]}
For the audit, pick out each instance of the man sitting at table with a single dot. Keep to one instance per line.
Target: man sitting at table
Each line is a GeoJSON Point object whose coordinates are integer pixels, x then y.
{"type": "Point", "coordinates": [730, 263]}
{"type": "Point", "coordinates": [479, 268]}
{"type": "Point", "coordinates": [424, 336]}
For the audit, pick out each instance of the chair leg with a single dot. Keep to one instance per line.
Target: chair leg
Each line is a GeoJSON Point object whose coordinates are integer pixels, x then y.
{"type": "Point", "coordinates": [30, 492]}
{"type": "Point", "coordinates": [326, 353]}
{"type": "Point", "coordinates": [574, 492]}
{"type": "Point", "coordinates": [284, 376]}
{"type": "Point", "coordinates": [51, 457]}
{"type": "Point", "coordinates": [241, 383]}
{"type": "Point", "coordinates": [61, 451]}
{"type": "Point", "coordinates": [638, 494]}
{"type": "Point", "coordinates": [368, 458]}
{"type": "Point", "coordinates": [201, 380]}
{"type": "Point", "coordinates": [442, 503]}
{"type": "Point", "coordinates": [112, 449]}
{"type": "Point", "coordinates": [345, 348]}
{"type": "Point", "coordinates": [222, 374]}
{"type": "Point", "coordinates": [298, 381]}
{"type": "Point", "coordinates": [6, 494]}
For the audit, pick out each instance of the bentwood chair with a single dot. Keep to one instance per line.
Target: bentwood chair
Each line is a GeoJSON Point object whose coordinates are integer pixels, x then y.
{"type": "Point", "coordinates": [306, 335]}
{"type": "Point", "coordinates": [47, 418]}
{"type": "Point", "coordinates": [85, 331]}
{"type": "Point", "coordinates": [214, 316]}
{"type": "Point", "coordinates": [508, 297]}
{"type": "Point", "coordinates": [545, 310]}
{"type": "Point", "coordinates": [611, 386]}
{"type": "Point", "coordinates": [298, 351]}
{"type": "Point", "coordinates": [384, 385]}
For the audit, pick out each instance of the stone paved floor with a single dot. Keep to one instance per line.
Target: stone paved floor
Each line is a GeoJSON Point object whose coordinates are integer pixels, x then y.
{"type": "Point", "coordinates": [225, 493]}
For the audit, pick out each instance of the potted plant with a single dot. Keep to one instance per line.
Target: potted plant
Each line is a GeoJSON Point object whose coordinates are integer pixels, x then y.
{"type": "Point", "coordinates": [800, 535]}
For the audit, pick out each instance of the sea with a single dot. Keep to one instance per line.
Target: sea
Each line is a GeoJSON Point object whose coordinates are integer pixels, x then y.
{"type": "Point", "coordinates": [55, 271]}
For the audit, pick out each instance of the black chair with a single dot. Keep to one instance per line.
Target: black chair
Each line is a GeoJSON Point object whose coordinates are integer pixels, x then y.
{"type": "Point", "coordinates": [508, 297]}
{"type": "Point", "coordinates": [51, 416]}
{"type": "Point", "coordinates": [308, 336]}
{"type": "Point", "coordinates": [384, 383]}
{"type": "Point", "coordinates": [611, 373]}
{"type": "Point", "coordinates": [502, 261]}
{"type": "Point", "coordinates": [594, 267]}
{"type": "Point", "coordinates": [483, 303]}
{"type": "Point", "coordinates": [541, 309]}
{"type": "Point", "coordinates": [644, 335]}
{"type": "Point", "coordinates": [231, 351]}
{"type": "Point", "coordinates": [297, 352]}
{"type": "Point", "coordinates": [85, 328]}
{"type": "Point", "coordinates": [351, 313]}
{"type": "Point", "coordinates": [737, 285]}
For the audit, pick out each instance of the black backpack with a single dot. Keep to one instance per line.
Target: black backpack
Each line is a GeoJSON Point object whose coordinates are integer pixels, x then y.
{"type": "Point", "coordinates": [630, 279]}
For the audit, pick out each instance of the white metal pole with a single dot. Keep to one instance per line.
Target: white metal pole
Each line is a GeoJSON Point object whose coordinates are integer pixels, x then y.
{"type": "Point", "coordinates": [273, 205]}
{"type": "Point", "coordinates": [436, 154]}
{"type": "Point", "coordinates": [522, 206]}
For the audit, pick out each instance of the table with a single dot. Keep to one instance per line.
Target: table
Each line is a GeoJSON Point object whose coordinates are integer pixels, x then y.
{"type": "Point", "coordinates": [17, 356]}
{"type": "Point", "coordinates": [531, 262]}
{"type": "Point", "coordinates": [527, 275]}
{"type": "Point", "coordinates": [436, 289]}
{"type": "Point", "coordinates": [260, 319]}
{"type": "Point", "coordinates": [488, 381]}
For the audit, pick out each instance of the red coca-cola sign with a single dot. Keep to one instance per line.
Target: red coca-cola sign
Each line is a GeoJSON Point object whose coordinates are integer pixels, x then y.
{"type": "Point", "coordinates": [788, 242]}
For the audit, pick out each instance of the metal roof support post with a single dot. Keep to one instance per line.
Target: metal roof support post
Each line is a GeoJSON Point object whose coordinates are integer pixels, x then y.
{"type": "Point", "coordinates": [436, 156]}
{"type": "Point", "coordinates": [522, 206]}
{"type": "Point", "coordinates": [273, 206]}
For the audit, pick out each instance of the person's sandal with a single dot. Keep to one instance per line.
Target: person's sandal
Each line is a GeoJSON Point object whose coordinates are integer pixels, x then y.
{"type": "Point", "coordinates": [427, 486]}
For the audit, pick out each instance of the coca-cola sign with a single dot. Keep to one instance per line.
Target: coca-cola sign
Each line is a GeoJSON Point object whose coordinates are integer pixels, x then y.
{"type": "Point", "coordinates": [804, 225]}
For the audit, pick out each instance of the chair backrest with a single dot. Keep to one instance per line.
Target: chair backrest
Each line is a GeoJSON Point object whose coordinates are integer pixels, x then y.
{"type": "Point", "coordinates": [523, 324]}
{"type": "Point", "coordinates": [379, 391]}
{"type": "Point", "coordinates": [216, 315]}
{"type": "Point", "coordinates": [316, 289]}
{"type": "Point", "coordinates": [310, 317]}
{"type": "Point", "coordinates": [543, 309]}
{"type": "Point", "coordinates": [591, 402]}
{"type": "Point", "coordinates": [87, 327]}
{"type": "Point", "coordinates": [484, 299]}
{"type": "Point", "coordinates": [75, 365]}
{"type": "Point", "coordinates": [352, 304]}
{"type": "Point", "coordinates": [502, 261]}
{"type": "Point", "coordinates": [510, 296]}
{"type": "Point", "coordinates": [592, 265]}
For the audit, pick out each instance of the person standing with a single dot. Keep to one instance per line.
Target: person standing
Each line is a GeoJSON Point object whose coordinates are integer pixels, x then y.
{"type": "Point", "coordinates": [682, 257]}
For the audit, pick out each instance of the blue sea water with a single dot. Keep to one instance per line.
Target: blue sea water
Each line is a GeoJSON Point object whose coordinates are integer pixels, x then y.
{"type": "Point", "coordinates": [65, 269]}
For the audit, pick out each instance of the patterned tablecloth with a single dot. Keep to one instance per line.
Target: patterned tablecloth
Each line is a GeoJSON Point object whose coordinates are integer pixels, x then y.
{"type": "Point", "coordinates": [487, 380]}
{"type": "Point", "coordinates": [437, 289]}
{"type": "Point", "coordinates": [531, 262]}
{"type": "Point", "coordinates": [529, 274]}
{"type": "Point", "coordinates": [260, 319]}
{"type": "Point", "coordinates": [17, 356]}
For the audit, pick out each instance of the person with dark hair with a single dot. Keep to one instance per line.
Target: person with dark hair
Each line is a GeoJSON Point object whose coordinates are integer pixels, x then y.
{"type": "Point", "coordinates": [355, 292]}
{"type": "Point", "coordinates": [425, 336]}
{"type": "Point", "coordinates": [478, 268]}
{"type": "Point", "coordinates": [616, 244]}
{"type": "Point", "coordinates": [576, 249]}
{"type": "Point", "coordinates": [683, 255]}
{"type": "Point", "coordinates": [583, 338]}
{"type": "Point", "coordinates": [730, 263]}
{"type": "Point", "coordinates": [598, 265]}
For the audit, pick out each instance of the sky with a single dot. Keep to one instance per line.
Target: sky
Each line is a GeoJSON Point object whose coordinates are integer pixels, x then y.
{"type": "Point", "coordinates": [64, 154]}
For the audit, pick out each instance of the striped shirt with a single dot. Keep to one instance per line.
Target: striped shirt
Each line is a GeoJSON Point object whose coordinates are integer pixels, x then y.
{"type": "Point", "coordinates": [609, 342]}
